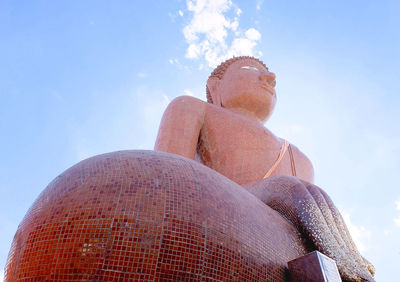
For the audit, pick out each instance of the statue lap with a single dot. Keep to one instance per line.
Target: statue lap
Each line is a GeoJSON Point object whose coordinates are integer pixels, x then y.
{"type": "Point", "coordinates": [150, 215]}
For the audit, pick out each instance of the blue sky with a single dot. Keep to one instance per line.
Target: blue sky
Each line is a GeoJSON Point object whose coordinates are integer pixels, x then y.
{"type": "Point", "coordinates": [80, 78]}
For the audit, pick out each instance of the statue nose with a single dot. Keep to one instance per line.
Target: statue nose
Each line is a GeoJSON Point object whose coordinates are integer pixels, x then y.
{"type": "Point", "coordinates": [269, 77]}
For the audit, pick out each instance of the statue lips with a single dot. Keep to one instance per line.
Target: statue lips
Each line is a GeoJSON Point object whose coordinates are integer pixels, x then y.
{"type": "Point", "coordinates": [268, 88]}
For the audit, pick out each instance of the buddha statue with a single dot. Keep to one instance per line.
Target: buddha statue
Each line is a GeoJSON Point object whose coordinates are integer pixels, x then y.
{"type": "Point", "coordinates": [221, 198]}
{"type": "Point", "coordinates": [228, 135]}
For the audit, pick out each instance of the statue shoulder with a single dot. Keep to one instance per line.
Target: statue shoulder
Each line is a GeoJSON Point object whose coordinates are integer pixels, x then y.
{"type": "Point", "coordinates": [186, 110]}
{"type": "Point", "coordinates": [304, 167]}
{"type": "Point", "coordinates": [188, 104]}
{"type": "Point", "coordinates": [180, 126]}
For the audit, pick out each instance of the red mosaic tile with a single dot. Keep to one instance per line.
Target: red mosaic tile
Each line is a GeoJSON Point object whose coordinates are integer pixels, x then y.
{"type": "Point", "coordinates": [145, 215]}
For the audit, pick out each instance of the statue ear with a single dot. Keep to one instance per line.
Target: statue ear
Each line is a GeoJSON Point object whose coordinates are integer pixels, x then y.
{"type": "Point", "coordinates": [213, 87]}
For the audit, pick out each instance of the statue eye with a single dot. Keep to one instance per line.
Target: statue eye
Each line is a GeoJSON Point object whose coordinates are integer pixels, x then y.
{"type": "Point", "coordinates": [250, 68]}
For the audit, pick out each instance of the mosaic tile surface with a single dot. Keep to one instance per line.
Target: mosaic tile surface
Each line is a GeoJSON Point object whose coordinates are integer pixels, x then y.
{"type": "Point", "coordinates": [145, 215]}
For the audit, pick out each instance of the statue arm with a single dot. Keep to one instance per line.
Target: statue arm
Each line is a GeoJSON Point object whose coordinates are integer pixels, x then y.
{"type": "Point", "coordinates": [304, 167]}
{"type": "Point", "coordinates": [180, 127]}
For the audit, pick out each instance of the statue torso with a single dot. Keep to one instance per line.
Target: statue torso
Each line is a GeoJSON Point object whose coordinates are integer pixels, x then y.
{"type": "Point", "coordinates": [239, 148]}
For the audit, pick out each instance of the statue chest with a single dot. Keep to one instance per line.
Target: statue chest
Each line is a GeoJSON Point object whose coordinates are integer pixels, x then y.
{"type": "Point", "coordinates": [238, 148]}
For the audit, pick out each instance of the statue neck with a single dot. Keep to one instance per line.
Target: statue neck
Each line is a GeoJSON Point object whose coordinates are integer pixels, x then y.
{"type": "Point", "coordinates": [246, 113]}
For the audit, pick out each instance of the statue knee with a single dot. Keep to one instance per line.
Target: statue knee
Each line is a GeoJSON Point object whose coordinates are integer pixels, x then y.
{"type": "Point", "coordinates": [300, 188]}
{"type": "Point", "coordinates": [315, 190]}
{"type": "Point", "coordinates": [285, 180]}
{"type": "Point", "coordinates": [285, 184]}
{"type": "Point", "coordinates": [280, 189]}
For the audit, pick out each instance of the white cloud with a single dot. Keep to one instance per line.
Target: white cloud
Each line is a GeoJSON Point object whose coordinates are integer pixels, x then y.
{"type": "Point", "coordinates": [253, 34]}
{"type": "Point", "coordinates": [360, 234]}
{"type": "Point", "coordinates": [167, 100]}
{"type": "Point", "coordinates": [174, 15]}
{"type": "Point", "coordinates": [397, 219]}
{"type": "Point", "coordinates": [1, 275]}
{"type": "Point", "coordinates": [142, 74]}
{"type": "Point", "coordinates": [259, 4]}
{"type": "Point", "coordinates": [178, 64]}
{"type": "Point", "coordinates": [212, 34]}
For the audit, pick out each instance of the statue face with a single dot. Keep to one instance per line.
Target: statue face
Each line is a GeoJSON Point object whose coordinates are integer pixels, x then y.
{"type": "Point", "coordinates": [248, 85]}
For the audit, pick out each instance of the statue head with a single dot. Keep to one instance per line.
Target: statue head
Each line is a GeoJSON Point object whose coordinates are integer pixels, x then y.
{"type": "Point", "coordinates": [243, 82]}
